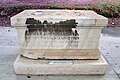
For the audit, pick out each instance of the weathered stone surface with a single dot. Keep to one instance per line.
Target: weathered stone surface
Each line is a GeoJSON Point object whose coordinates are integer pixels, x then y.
{"type": "Point", "coordinates": [59, 39]}
{"type": "Point", "coordinates": [61, 54]}
{"type": "Point", "coordinates": [31, 28]}
{"type": "Point", "coordinates": [83, 17]}
{"type": "Point", "coordinates": [59, 67]}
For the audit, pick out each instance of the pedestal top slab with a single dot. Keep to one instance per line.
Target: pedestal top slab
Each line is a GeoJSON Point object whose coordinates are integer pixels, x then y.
{"type": "Point", "coordinates": [83, 17]}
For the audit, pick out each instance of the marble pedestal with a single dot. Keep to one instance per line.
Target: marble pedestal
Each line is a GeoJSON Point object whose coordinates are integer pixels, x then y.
{"type": "Point", "coordinates": [70, 36]}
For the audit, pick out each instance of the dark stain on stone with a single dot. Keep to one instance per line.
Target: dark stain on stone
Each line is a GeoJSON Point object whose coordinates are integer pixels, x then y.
{"type": "Point", "coordinates": [28, 76]}
{"type": "Point", "coordinates": [116, 46]}
{"type": "Point", "coordinates": [8, 30]}
{"type": "Point", "coordinates": [115, 63]}
{"type": "Point", "coordinates": [107, 53]}
{"type": "Point", "coordinates": [31, 53]}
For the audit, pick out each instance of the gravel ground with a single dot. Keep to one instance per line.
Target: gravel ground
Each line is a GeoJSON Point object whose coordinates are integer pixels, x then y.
{"type": "Point", "coordinates": [114, 22]}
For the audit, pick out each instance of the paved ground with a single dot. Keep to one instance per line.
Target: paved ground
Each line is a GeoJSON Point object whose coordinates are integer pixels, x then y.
{"type": "Point", "coordinates": [109, 46]}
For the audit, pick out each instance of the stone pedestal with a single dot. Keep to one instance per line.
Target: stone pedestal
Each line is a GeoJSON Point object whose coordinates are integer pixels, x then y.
{"type": "Point", "coordinates": [70, 36]}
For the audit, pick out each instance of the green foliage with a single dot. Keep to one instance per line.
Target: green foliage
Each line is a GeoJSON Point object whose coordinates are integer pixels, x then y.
{"type": "Point", "coordinates": [104, 5]}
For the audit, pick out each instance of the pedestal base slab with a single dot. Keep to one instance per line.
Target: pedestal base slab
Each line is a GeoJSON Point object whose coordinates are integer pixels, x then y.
{"type": "Point", "coordinates": [27, 66]}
